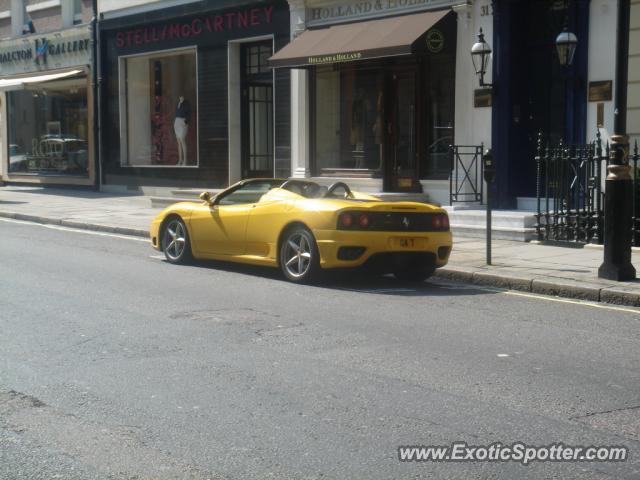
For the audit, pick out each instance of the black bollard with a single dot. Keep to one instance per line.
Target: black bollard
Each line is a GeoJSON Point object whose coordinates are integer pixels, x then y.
{"type": "Point", "coordinates": [617, 215]}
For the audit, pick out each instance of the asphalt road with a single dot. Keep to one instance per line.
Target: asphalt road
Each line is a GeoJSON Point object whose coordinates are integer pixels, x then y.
{"type": "Point", "coordinates": [117, 365]}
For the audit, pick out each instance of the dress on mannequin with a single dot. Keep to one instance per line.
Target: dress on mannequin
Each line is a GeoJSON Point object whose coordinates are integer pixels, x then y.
{"type": "Point", "coordinates": [181, 128]}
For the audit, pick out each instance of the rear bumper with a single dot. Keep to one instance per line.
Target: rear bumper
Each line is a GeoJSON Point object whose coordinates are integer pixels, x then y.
{"type": "Point", "coordinates": [330, 242]}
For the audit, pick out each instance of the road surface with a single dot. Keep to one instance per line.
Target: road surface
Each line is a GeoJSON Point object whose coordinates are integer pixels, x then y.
{"type": "Point", "coordinates": [117, 365]}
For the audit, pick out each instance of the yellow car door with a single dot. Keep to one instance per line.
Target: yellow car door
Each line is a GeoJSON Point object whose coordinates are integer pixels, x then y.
{"type": "Point", "coordinates": [220, 229]}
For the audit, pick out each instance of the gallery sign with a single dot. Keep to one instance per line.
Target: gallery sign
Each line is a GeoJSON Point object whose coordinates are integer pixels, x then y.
{"type": "Point", "coordinates": [66, 48]}
{"type": "Point", "coordinates": [346, 11]}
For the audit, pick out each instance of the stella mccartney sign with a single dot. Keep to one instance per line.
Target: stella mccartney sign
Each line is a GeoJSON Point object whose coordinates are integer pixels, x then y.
{"type": "Point", "coordinates": [336, 12]}
{"type": "Point", "coordinates": [196, 27]}
{"type": "Point", "coordinates": [67, 48]}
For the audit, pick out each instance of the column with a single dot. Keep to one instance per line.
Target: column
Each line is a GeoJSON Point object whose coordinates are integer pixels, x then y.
{"type": "Point", "coordinates": [299, 101]}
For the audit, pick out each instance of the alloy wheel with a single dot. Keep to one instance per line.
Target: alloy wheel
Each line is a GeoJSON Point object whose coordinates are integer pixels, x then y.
{"type": "Point", "coordinates": [297, 255]}
{"type": "Point", "coordinates": [174, 240]}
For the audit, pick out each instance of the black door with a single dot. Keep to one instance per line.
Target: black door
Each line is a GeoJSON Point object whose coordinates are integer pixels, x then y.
{"type": "Point", "coordinates": [401, 151]}
{"type": "Point", "coordinates": [534, 93]}
{"type": "Point", "coordinates": [257, 110]}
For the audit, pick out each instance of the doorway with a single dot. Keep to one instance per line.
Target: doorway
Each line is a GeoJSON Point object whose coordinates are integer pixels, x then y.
{"type": "Point", "coordinates": [537, 94]}
{"type": "Point", "coordinates": [256, 110]}
{"type": "Point", "coordinates": [401, 157]}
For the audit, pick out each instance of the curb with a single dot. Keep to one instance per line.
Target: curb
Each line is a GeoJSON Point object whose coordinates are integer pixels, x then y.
{"type": "Point", "coordinates": [616, 295]}
{"type": "Point", "coordinates": [94, 227]}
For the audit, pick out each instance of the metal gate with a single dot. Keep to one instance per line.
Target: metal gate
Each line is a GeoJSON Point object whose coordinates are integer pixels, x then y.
{"type": "Point", "coordinates": [466, 183]}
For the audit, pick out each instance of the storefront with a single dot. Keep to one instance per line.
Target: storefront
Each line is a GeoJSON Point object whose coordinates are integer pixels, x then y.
{"type": "Point", "coordinates": [379, 80]}
{"type": "Point", "coordinates": [46, 127]}
{"type": "Point", "coordinates": [189, 99]}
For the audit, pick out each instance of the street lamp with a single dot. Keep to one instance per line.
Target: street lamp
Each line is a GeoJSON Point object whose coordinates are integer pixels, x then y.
{"type": "Point", "coordinates": [480, 53]}
{"type": "Point", "coordinates": [566, 43]}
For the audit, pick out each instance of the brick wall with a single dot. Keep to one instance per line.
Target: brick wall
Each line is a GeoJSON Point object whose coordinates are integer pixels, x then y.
{"type": "Point", "coordinates": [47, 20]}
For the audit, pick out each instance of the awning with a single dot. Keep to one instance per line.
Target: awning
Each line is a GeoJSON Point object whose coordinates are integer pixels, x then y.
{"type": "Point", "coordinates": [20, 82]}
{"type": "Point", "coordinates": [358, 41]}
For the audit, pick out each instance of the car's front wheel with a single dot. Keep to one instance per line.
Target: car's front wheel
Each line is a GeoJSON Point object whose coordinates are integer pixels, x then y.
{"type": "Point", "coordinates": [299, 257]}
{"type": "Point", "coordinates": [175, 241]}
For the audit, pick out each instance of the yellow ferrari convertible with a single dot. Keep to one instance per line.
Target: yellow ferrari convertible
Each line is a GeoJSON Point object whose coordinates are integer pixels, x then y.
{"type": "Point", "coordinates": [303, 228]}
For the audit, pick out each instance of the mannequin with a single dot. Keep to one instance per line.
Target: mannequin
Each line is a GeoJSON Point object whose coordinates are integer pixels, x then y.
{"type": "Point", "coordinates": [181, 128]}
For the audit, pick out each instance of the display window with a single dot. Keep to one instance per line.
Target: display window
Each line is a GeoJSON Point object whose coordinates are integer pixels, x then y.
{"type": "Point", "coordinates": [388, 118]}
{"type": "Point", "coordinates": [348, 119]}
{"type": "Point", "coordinates": [159, 118]}
{"type": "Point", "coordinates": [48, 128]}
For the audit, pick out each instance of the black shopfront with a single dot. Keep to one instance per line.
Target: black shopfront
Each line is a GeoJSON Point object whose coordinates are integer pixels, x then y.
{"type": "Point", "coordinates": [188, 99]}
{"type": "Point", "coordinates": [382, 97]}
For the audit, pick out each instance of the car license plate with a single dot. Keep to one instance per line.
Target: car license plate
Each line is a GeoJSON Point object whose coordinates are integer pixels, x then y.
{"type": "Point", "coordinates": [408, 243]}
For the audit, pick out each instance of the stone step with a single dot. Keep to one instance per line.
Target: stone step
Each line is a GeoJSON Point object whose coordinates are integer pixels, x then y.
{"type": "Point", "coordinates": [497, 233]}
{"type": "Point", "coordinates": [500, 218]}
{"type": "Point", "coordinates": [505, 225]}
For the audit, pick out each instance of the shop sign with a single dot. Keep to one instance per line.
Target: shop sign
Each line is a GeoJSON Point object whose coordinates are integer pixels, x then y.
{"type": "Point", "coordinates": [482, 97]}
{"type": "Point", "coordinates": [195, 28]}
{"type": "Point", "coordinates": [340, 11]}
{"type": "Point", "coordinates": [335, 58]}
{"type": "Point", "coordinates": [601, 91]}
{"type": "Point", "coordinates": [67, 48]}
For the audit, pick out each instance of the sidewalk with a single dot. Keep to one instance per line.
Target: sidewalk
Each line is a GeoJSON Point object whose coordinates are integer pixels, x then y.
{"type": "Point", "coordinates": [566, 272]}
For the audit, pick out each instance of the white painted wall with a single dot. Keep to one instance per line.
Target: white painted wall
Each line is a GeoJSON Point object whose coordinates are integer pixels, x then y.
{"type": "Point", "coordinates": [300, 109]}
{"type": "Point", "coordinates": [603, 17]}
{"type": "Point", "coordinates": [473, 125]}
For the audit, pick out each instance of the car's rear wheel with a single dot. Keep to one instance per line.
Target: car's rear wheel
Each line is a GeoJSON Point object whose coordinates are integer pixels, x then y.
{"type": "Point", "coordinates": [299, 257]}
{"type": "Point", "coordinates": [416, 272]}
{"type": "Point", "coordinates": [175, 241]}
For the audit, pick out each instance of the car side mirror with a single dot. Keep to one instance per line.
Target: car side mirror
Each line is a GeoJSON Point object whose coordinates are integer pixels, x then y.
{"type": "Point", "coordinates": [206, 197]}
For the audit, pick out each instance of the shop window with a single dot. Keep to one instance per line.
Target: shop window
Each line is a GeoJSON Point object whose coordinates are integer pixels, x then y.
{"type": "Point", "coordinates": [48, 128]}
{"type": "Point", "coordinates": [158, 109]}
{"type": "Point", "coordinates": [348, 120]}
{"type": "Point", "coordinates": [77, 11]}
{"type": "Point", "coordinates": [256, 58]}
{"type": "Point", "coordinates": [257, 110]}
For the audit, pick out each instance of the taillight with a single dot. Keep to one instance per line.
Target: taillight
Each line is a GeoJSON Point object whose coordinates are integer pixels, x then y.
{"type": "Point", "coordinates": [440, 221]}
{"type": "Point", "coordinates": [346, 220]}
{"type": "Point", "coordinates": [363, 220]}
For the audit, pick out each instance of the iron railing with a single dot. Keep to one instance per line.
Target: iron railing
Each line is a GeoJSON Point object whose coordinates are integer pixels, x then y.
{"type": "Point", "coordinates": [570, 192]}
{"type": "Point", "coordinates": [466, 183]}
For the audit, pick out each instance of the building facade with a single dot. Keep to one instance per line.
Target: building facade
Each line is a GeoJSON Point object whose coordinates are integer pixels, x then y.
{"type": "Point", "coordinates": [188, 97]}
{"type": "Point", "coordinates": [46, 114]}
{"type": "Point", "coordinates": [428, 97]}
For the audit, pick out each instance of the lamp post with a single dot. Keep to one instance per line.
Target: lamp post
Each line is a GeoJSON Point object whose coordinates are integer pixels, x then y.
{"type": "Point", "coordinates": [480, 54]}
{"type": "Point", "coordinates": [619, 184]}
